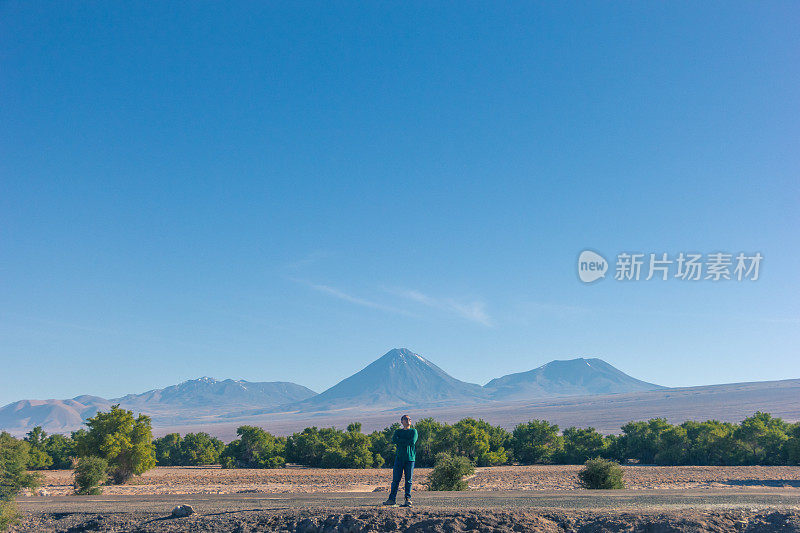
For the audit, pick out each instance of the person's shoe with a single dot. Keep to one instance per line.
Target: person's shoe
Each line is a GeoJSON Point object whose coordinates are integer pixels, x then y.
{"type": "Point", "coordinates": [390, 503]}
{"type": "Point", "coordinates": [408, 502]}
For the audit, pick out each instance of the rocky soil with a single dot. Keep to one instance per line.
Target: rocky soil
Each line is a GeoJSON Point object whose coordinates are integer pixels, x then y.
{"type": "Point", "coordinates": [385, 520]}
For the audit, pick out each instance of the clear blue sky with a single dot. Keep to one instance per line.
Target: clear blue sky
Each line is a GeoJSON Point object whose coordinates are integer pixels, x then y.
{"type": "Point", "coordinates": [286, 191]}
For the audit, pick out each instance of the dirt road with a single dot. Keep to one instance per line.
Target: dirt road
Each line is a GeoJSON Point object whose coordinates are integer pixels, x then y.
{"type": "Point", "coordinates": [580, 499]}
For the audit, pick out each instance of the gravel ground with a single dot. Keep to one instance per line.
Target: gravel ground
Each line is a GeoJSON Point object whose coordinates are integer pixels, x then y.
{"type": "Point", "coordinates": [380, 520]}
{"type": "Point", "coordinates": [213, 480]}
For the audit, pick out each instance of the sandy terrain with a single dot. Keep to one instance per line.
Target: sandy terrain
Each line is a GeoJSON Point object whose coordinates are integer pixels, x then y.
{"type": "Point", "coordinates": [214, 480]}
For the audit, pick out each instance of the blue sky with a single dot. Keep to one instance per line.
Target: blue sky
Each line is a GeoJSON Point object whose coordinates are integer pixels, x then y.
{"type": "Point", "coordinates": [285, 192]}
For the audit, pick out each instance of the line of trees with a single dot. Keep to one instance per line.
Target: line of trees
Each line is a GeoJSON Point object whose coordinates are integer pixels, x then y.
{"type": "Point", "coordinates": [758, 440]}
{"type": "Point", "coordinates": [127, 444]}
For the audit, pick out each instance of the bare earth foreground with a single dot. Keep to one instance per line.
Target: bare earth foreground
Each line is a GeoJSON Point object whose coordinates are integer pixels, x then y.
{"type": "Point", "coordinates": [518, 498]}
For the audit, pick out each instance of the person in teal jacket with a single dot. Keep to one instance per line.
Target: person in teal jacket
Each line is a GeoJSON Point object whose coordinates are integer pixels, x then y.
{"type": "Point", "coordinates": [406, 440]}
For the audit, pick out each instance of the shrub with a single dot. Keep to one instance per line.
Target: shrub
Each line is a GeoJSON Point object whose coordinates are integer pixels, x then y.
{"type": "Point", "coordinates": [8, 515]}
{"type": "Point", "coordinates": [122, 440]}
{"type": "Point", "coordinates": [601, 474]}
{"type": "Point", "coordinates": [449, 472]}
{"type": "Point", "coordinates": [89, 473]}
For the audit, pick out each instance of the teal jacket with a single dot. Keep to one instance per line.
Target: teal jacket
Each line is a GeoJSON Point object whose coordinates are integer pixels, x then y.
{"type": "Point", "coordinates": [406, 440]}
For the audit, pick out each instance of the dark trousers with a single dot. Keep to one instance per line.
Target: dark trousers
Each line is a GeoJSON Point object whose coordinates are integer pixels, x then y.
{"type": "Point", "coordinates": [400, 468]}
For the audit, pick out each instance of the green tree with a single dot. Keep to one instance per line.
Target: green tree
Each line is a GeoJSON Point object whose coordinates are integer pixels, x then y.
{"type": "Point", "coordinates": [473, 440]}
{"type": "Point", "coordinates": [791, 448]}
{"type": "Point", "coordinates": [125, 442]}
{"type": "Point", "coordinates": [61, 449]}
{"type": "Point", "coordinates": [198, 449]}
{"type": "Point", "coordinates": [357, 454]}
{"type": "Point", "coordinates": [614, 448]}
{"type": "Point", "coordinates": [480, 442]}
{"type": "Point", "coordinates": [581, 444]}
{"type": "Point", "coordinates": [446, 440]}
{"type": "Point", "coordinates": [383, 449]}
{"type": "Point", "coordinates": [14, 476]}
{"type": "Point", "coordinates": [168, 449]}
{"type": "Point", "coordinates": [643, 439]}
{"type": "Point", "coordinates": [305, 448]}
{"type": "Point", "coordinates": [713, 443]}
{"type": "Point", "coordinates": [537, 441]}
{"type": "Point", "coordinates": [38, 458]}
{"type": "Point", "coordinates": [674, 447]}
{"type": "Point", "coordinates": [255, 448]}
{"type": "Point", "coordinates": [763, 437]}
{"type": "Point", "coordinates": [427, 431]}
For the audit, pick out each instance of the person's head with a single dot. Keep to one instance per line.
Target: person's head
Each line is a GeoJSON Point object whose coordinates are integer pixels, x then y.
{"type": "Point", "coordinates": [406, 421]}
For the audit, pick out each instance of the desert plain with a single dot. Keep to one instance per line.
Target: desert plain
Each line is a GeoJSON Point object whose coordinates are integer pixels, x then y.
{"type": "Point", "coordinates": [503, 499]}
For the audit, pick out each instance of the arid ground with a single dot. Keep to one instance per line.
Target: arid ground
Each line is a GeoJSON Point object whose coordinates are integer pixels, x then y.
{"type": "Point", "coordinates": [215, 480]}
{"type": "Point", "coordinates": [509, 498]}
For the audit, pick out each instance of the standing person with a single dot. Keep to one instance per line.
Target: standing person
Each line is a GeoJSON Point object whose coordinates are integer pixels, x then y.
{"type": "Point", "coordinates": [406, 440]}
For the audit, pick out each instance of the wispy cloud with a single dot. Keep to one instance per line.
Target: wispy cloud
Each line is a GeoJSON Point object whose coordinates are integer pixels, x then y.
{"type": "Point", "coordinates": [337, 293]}
{"type": "Point", "coordinates": [473, 311]}
{"type": "Point", "coordinates": [347, 297]}
{"type": "Point", "coordinates": [308, 260]}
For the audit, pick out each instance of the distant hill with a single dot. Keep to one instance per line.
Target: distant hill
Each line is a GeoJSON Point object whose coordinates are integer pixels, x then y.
{"type": "Point", "coordinates": [193, 401]}
{"type": "Point", "coordinates": [398, 378]}
{"type": "Point", "coordinates": [573, 377]}
{"type": "Point", "coordinates": [54, 415]}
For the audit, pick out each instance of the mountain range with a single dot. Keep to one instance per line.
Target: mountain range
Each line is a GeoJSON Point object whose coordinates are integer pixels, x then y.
{"type": "Point", "coordinates": [397, 380]}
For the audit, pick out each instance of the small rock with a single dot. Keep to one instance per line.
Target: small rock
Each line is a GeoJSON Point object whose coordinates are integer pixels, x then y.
{"type": "Point", "coordinates": [307, 526]}
{"type": "Point", "coordinates": [182, 511]}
